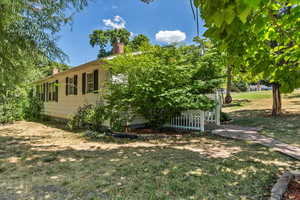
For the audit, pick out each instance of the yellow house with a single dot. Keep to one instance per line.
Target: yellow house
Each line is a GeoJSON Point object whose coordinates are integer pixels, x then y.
{"type": "Point", "coordinates": [64, 92]}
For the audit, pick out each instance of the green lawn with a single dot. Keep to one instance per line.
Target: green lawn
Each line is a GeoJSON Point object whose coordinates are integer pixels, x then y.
{"type": "Point", "coordinates": [252, 95]}
{"type": "Point", "coordinates": [256, 109]}
{"type": "Point", "coordinates": [43, 162]}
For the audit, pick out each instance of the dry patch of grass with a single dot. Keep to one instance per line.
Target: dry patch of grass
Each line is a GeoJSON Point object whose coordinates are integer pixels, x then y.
{"type": "Point", "coordinates": [256, 112]}
{"type": "Point", "coordinates": [43, 162]}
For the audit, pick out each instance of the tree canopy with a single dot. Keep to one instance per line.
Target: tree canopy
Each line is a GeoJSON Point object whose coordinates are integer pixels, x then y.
{"type": "Point", "coordinates": [28, 48]}
{"type": "Point", "coordinates": [103, 38]}
{"type": "Point", "coordinates": [107, 38]}
{"type": "Point", "coordinates": [27, 40]}
{"type": "Point", "coordinates": [262, 36]}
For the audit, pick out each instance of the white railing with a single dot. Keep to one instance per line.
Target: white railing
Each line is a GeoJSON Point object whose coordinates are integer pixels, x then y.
{"type": "Point", "coordinates": [196, 119]}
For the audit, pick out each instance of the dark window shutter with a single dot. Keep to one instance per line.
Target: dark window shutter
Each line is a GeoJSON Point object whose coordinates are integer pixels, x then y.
{"type": "Point", "coordinates": [37, 91]}
{"type": "Point", "coordinates": [67, 86]}
{"type": "Point", "coordinates": [49, 91]}
{"type": "Point", "coordinates": [96, 81]}
{"type": "Point", "coordinates": [47, 94]}
{"type": "Point", "coordinates": [83, 83]}
{"type": "Point", "coordinates": [75, 84]}
{"type": "Point", "coordinates": [56, 90]}
{"type": "Point", "coordinates": [44, 91]}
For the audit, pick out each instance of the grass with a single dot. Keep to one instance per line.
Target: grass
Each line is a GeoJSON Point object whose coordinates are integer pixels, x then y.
{"type": "Point", "coordinates": [256, 112]}
{"type": "Point", "coordinates": [42, 162]}
{"type": "Point", "coordinates": [252, 95]}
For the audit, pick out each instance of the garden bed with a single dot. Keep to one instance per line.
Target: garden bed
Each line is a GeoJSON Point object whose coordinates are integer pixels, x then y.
{"type": "Point", "coordinates": [293, 190]}
{"type": "Point", "coordinates": [287, 187]}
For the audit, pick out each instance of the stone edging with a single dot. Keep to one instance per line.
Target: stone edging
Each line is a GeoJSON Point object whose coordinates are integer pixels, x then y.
{"type": "Point", "coordinates": [282, 183]}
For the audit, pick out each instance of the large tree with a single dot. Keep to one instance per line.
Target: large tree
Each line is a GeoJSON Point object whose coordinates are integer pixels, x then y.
{"type": "Point", "coordinates": [27, 36]}
{"type": "Point", "coordinates": [106, 38]}
{"type": "Point", "coordinates": [263, 37]}
{"type": "Point", "coordinates": [27, 45]}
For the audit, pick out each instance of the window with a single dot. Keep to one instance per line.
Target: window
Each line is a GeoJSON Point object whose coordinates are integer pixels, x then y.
{"type": "Point", "coordinates": [71, 85]}
{"type": "Point", "coordinates": [90, 82]}
{"type": "Point", "coordinates": [49, 91]}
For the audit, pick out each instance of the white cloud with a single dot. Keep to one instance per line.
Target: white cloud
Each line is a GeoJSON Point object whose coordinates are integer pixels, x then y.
{"type": "Point", "coordinates": [170, 36]}
{"type": "Point", "coordinates": [116, 23]}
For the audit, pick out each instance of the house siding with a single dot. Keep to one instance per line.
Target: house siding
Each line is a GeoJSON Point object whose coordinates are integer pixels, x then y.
{"type": "Point", "coordinates": [67, 105]}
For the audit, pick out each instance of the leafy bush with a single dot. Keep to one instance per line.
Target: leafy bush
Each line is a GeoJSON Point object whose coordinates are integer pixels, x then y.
{"type": "Point", "coordinates": [78, 120]}
{"type": "Point", "coordinates": [33, 107]}
{"type": "Point", "coordinates": [162, 82]}
{"type": "Point", "coordinates": [93, 117]}
{"type": "Point", "coordinates": [240, 86]}
{"type": "Point", "coordinates": [11, 105]}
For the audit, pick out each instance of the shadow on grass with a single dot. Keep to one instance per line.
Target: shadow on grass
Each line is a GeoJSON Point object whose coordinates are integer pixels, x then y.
{"type": "Point", "coordinates": [236, 103]}
{"type": "Point", "coordinates": [154, 172]}
{"type": "Point", "coordinates": [285, 127]}
{"type": "Point", "coordinates": [293, 96]}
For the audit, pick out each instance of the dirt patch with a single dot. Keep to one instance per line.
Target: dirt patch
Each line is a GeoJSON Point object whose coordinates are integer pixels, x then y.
{"type": "Point", "coordinates": [41, 137]}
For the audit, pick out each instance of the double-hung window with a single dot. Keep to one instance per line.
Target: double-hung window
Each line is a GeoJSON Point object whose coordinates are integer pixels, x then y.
{"type": "Point", "coordinates": [71, 85]}
{"type": "Point", "coordinates": [90, 82]}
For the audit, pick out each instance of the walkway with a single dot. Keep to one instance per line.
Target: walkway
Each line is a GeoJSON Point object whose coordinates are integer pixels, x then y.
{"type": "Point", "coordinates": [252, 134]}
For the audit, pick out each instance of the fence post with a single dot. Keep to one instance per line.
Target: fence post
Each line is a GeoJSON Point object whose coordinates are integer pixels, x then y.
{"type": "Point", "coordinates": [202, 118]}
{"type": "Point", "coordinates": [218, 109]}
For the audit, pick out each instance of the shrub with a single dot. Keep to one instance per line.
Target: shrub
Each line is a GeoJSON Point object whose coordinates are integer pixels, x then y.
{"type": "Point", "coordinates": [161, 83]}
{"type": "Point", "coordinates": [78, 120]}
{"type": "Point", "coordinates": [11, 105]}
{"type": "Point", "coordinates": [33, 107]}
{"type": "Point", "coordinates": [95, 117]}
{"type": "Point", "coordinates": [241, 86]}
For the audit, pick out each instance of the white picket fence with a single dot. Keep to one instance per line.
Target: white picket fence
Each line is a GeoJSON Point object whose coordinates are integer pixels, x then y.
{"type": "Point", "coordinates": [196, 119]}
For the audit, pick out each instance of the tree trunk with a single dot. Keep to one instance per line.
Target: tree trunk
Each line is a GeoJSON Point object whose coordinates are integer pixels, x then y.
{"type": "Point", "coordinates": [276, 110]}
{"type": "Point", "coordinates": [228, 98]}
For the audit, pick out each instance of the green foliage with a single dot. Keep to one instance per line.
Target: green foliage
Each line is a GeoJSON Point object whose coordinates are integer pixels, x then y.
{"type": "Point", "coordinates": [102, 38]}
{"type": "Point", "coordinates": [139, 42]}
{"type": "Point", "coordinates": [11, 108]}
{"type": "Point", "coordinates": [93, 117]}
{"type": "Point", "coordinates": [27, 39]}
{"type": "Point", "coordinates": [79, 119]}
{"type": "Point", "coordinates": [27, 43]}
{"type": "Point", "coordinates": [17, 104]}
{"type": "Point", "coordinates": [162, 82]}
{"type": "Point", "coordinates": [33, 107]}
{"type": "Point", "coordinates": [47, 69]}
{"type": "Point", "coordinates": [241, 86]}
{"type": "Point", "coordinates": [261, 36]}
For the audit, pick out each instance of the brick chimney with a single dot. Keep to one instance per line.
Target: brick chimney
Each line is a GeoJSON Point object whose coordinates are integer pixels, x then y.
{"type": "Point", "coordinates": [118, 48]}
{"type": "Point", "coordinates": [55, 71]}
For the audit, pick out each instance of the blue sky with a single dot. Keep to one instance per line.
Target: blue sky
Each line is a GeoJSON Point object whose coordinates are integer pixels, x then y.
{"type": "Point", "coordinates": [140, 18]}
